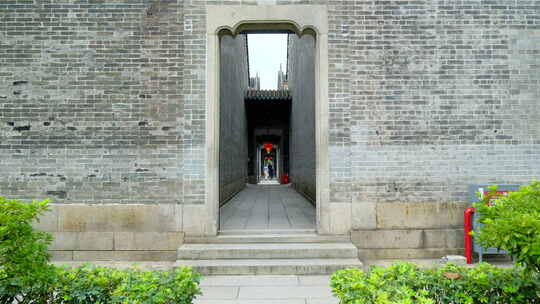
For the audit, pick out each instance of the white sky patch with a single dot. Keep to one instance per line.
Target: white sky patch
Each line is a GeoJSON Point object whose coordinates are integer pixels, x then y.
{"type": "Point", "coordinates": [266, 52]}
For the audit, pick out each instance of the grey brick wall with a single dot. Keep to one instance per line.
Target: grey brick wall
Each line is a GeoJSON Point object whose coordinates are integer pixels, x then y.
{"type": "Point", "coordinates": [442, 94]}
{"type": "Point", "coordinates": [91, 103]}
{"type": "Point", "coordinates": [194, 105]}
{"type": "Point", "coordinates": [301, 78]}
{"type": "Point", "coordinates": [233, 151]}
{"type": "Point", "coordinates": [425, 97]}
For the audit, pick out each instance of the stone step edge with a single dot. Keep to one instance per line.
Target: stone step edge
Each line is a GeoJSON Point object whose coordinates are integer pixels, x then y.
{"type": "Point", "coordinates": [268, 246]}
{"type": "Point", "coordinates": [267, 251]}
{"type": "Point", "coordinates": [268, 238]}
{"type": "Point", "coordinates": [242, 232]}
{"type": "Point", "coordinates": [268, 262]}
{"type": "Point", "coordinates": [270, 267]}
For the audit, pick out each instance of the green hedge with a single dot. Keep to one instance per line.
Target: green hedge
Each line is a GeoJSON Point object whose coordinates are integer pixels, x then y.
{"type": "Point", "coordinates": [100, 285]}
{"type": "Point", "coordinates": [88, 284]}
{"type": "Point", "coordinates": [407, 283]}
{"type": "Point", "coordinates": [24, 267]}
{"type": "Point", "coordinates": [512, 223]}
{"type": "Point", "coordinates": [27, 277]}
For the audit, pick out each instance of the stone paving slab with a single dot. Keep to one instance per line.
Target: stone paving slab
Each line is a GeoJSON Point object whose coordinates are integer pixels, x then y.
{"type": "Point", "coordinates": [320, 280]}
{"type": "Point", "coordinates": [284, 292]}
{"type": "Point", "coordinates": [220, 292]}
{"type": "Point", "coordinates": [322, 301]}
{"type": "Point", "coordinates": [269, 289]}
{"type": "Point", "coordinates": [250, 280]}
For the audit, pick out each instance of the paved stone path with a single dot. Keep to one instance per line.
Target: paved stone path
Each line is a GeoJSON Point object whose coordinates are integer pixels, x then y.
{"type": "Point", "coordinates": [261, 289]}
{"type": "Point", "coordinates": [267, 207]}
{"type": "Point", "coordinates": [289, 289]}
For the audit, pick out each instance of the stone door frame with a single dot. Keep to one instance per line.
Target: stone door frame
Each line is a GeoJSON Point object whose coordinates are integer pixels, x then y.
{"type": "Point", "coordinates": [234, 19]}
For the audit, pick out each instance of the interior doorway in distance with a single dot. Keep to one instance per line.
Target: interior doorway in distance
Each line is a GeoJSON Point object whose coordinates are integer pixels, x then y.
{"type": "Point", "coordinates": [268, 140]}
{"type": "Point", "coordinates": [269, 163]}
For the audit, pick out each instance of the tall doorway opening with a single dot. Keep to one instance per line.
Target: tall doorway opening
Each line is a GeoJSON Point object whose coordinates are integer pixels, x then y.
{"type": "Point", "coordinates": [267, 155]}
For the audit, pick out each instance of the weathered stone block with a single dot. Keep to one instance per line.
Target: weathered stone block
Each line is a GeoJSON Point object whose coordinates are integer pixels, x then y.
{"type": "Point", "coordinates": [443, 238]}
{"type": "Point", "coordinates": [95, 241]}
{"type": "Point", "coordinates": [80, 217]}
{"type": "Point", "coordinates": [408, 253]}
{"type": "Point", "coordinates": [60, 255]}
{"type": "Point", "coordinates": [147, 240]}
{"type": "Point", "coordinates": [387, 238]}
{"type": "Point", "coordinates": [124, 255]}
{"type": "Point", "coordinates": [48, 221]}
{"type": "Point", "coordinates": [64, 241]}
{"type": "Point", "coordinates": [159, 218]}
{"type": "Point", "coordinates": [177, 226]}
{"type": "Point", "coordinates": [148, 255]}
{"type": "Point", "coordinates": [340, 218]}
{"type": "Point", "coordinates": [198, 220]}
{"type": "Point", "coordinates": [420, 215]}
{"type": "Point", "coordinates": [364, 216]}
{"type": "Point", "coordinates": [146, 218]}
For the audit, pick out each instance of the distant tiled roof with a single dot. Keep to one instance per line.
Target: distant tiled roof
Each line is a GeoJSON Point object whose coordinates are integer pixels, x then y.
{"type": "Point", "coordinates": [252, 94]}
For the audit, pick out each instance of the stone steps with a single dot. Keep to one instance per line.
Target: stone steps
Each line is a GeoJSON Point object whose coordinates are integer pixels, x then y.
{"type": "Point", "coordinates": [257, 232]}
{"type": "Point", "coordinates": [267, 251]}
{"type": "Point", "coordinates": [240, 254]}
{"type": "Point", "coordinates": [276, 237]}
{"type": "Point", "coordinates": [270, 266]}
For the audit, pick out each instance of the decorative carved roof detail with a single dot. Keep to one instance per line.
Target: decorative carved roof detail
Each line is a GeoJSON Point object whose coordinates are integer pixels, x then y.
{"type": "Point", "coordinates": [268, 95]}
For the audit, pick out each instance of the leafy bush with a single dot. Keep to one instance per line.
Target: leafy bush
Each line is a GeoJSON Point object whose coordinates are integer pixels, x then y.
{"type": "Point", "coordinates": [395, 284]}
{"type": "Point", "coordinates": [86, 284]}
{"type": "Point", "coordinates": [26, 277]}
{"type": "Point", "coordinates": [406, 283]}
{"type": "Point", "coordinates": [512, 223]}
{"type": "Point", "coordinates": [24, 269]}
{"type": "Point", "coordinates": [101, 285]}
{"type": "Point", "coordinates": [156, 287]}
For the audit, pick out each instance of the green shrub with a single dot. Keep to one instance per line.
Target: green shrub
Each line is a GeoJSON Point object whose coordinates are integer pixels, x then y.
{"type": "Point", "coordinates": [156, 287]}
{"type": "Point", "coordinates": [406, 283]}
{"type": "Point", "coordinates": [26, 277]}
{"type": "Point", "coordinates": [24, 269]}
{"type": "Point", "coordinates": [395, 284]}
{"type": "Point", "coordinates": [100, 285]}
{"type": "Point", "coordinates": [512, 223]}
{"type": "Point", "coordinates": [86, 284]}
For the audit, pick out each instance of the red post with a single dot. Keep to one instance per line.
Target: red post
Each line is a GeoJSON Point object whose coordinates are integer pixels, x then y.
{"type": "Point", "coordinates": [468, 214]}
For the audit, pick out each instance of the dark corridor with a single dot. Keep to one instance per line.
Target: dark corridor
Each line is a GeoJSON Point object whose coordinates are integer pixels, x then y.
{"type": "Point", "coordinates": [268, 123]}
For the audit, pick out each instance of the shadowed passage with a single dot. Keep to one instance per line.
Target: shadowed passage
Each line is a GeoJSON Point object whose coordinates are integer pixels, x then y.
{"type": "Point", "coordinates": [267, 207]}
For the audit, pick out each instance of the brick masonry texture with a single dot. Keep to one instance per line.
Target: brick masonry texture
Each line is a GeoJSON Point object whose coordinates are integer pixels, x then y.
{"type": "Point", "coordinates": [301, 80]}
{"type": "Point", "coordinates": [104, 101]}
{"type": "Point", "coordinates": [233, 150]}
{"type": "Point", "coordinates": [442, 94]}
{"type": "Point", "coordinates": [92, 101]}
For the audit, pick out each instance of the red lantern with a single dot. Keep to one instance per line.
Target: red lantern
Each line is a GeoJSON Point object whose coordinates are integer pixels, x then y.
{"type": "Point", "coordinates": [268, 147]}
